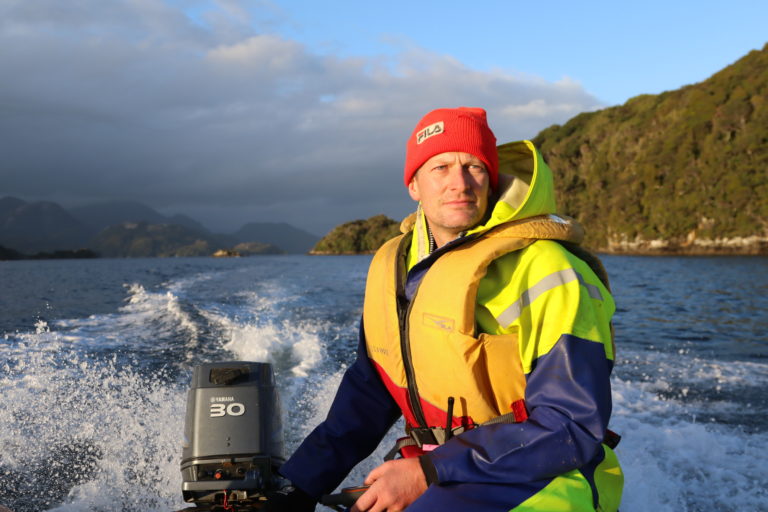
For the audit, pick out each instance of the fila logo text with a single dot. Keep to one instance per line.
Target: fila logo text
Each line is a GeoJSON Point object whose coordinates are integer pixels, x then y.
{"type": "Point", "coordinates": [430, 131]}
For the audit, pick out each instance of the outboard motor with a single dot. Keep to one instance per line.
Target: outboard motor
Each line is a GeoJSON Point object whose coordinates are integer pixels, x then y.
{"type": "Point", "coordinates": [233, 436]}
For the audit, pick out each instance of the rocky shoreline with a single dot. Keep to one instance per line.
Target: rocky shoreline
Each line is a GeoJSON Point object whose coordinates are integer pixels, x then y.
{"type": "Point", "coordinates": [691, 246]}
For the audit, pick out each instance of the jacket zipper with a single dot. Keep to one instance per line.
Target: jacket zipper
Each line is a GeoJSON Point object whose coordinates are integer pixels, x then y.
{"type": "Point", "coordinates": [410, 374]}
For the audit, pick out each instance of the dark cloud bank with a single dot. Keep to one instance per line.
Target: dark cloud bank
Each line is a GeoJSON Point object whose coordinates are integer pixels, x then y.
{"type": "Point", "coordinates": [212, 118]}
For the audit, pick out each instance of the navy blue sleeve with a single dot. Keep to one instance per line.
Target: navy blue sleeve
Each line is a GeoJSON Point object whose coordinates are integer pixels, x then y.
{"type": "Point", "coordinates": [569, 399]}
{"type": "Point", "coordinates": [361, 414]}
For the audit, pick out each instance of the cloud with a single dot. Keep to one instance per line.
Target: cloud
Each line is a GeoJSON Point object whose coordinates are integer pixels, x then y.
{"type": "Point", "coordinates": [197, 112]}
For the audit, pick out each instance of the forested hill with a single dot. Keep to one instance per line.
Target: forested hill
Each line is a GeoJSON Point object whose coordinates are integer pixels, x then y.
{"type": "Point", "coordinates": [358, 236]}
{"type": "Point", "coordinates": [682, 171]}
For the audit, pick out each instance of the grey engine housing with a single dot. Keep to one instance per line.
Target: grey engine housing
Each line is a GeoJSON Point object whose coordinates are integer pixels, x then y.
{"type": "Point", "coordinates": [233, 436]}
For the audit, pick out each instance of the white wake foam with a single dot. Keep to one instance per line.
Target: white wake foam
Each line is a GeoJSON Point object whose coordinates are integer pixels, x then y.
{"type": "Point", "coordinates": [108, 436]}
{"type": "Point", "coordinates": [672, 461]}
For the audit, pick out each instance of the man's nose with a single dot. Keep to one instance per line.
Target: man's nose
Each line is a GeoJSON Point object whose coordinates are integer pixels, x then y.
{"type": "Point", "coordinates": [459, 178]}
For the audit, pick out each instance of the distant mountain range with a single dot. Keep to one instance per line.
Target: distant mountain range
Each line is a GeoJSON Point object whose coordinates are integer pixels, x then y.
{"type": "Point", "coordinates": [131, 229]}
{"type": "Point", "coordinates": [102, 215]}
{"type": "Point", "coordinates": [39, 226]}
{"type": "Point", "coordinates": [288, 238]}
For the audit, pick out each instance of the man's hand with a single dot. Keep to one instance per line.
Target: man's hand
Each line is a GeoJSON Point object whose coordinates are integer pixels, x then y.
{"type": "Point", "coordinates": [393, 486]}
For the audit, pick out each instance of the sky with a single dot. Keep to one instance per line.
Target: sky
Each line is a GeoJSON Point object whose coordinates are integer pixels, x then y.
{"type": "Point", "coordinates": [236, 111]}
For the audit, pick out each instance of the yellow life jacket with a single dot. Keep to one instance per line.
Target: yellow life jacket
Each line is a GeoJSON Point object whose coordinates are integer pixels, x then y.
{"type": "Point", "coordinates": [429, 350]}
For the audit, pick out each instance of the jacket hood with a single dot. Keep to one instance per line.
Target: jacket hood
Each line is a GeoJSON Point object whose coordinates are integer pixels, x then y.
{"type": "Point", "coordinates": [526, 189]}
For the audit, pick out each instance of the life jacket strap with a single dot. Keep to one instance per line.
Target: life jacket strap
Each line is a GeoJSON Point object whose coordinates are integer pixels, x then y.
{"type": "Point", "coordinates": [421, 440]}
{"type": "Point", "coordinates": [401, 443]}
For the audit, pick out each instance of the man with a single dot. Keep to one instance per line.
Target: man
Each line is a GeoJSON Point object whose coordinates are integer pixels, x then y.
{"type": "Point", "coordinates": [485, 326]}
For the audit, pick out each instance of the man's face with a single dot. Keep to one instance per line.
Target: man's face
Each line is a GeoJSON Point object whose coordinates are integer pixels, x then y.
{"type": "Point", "coordinates": [453, 190]}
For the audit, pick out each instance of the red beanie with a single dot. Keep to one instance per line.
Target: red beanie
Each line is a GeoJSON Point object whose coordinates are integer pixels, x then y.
{"type": "Point", "coordinates": [462, 129]}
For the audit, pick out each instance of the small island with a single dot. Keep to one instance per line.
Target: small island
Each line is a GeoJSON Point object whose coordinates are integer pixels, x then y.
{"type": "Point", "coordinates": [358, 236]}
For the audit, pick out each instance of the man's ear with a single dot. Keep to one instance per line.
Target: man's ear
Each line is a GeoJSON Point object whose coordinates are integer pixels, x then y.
{"type": "Point", "coordinates": [413, 189]}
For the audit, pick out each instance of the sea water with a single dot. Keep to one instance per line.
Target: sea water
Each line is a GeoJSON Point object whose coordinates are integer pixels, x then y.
{"type": "Point", "coordinates": [96, 359]}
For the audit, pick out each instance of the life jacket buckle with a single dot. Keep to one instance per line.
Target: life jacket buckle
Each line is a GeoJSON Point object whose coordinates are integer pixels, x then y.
{"type": "Point", "coordinates": [426, 435]}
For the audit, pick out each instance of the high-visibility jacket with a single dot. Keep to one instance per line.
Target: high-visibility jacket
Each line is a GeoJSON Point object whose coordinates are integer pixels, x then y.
{"type": "Point", "coordinates": [426, 346]}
